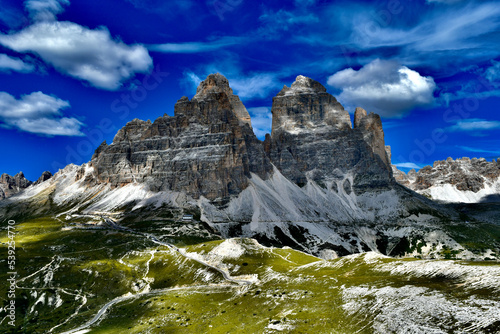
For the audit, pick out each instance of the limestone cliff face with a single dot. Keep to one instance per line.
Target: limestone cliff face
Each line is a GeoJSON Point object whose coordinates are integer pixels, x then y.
{"type": "Point", "coordinates": [44, 177]}
{"type": "Point", "coordinates": [217, 83]}
{"type": "Point", "coordinates": [11, 185]}
{"type": "Point", "coordinates": [312, 138]}
{"type": "Point", "coordinates": [370, 126]}
{"type": "Point", "coordinates": [306, 106]}
{"type": "Point", "coordinates": [206, 149]}
{"type": "Point", "coordinates": [465, 175]}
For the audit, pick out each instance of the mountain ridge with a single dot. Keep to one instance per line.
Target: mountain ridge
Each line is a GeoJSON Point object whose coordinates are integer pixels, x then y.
{"type": "Point", "coordinates": [318, 183]}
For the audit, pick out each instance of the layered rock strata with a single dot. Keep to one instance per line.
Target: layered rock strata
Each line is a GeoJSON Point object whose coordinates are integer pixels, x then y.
{"type": "Point", "coordinates": [465, 175]}
{"type": "Point", "coordinates": [11, 185]}
{"type": "Point", "coordinates": [313, 138]}
{"type": "Point", "coordinates": [206, 149]}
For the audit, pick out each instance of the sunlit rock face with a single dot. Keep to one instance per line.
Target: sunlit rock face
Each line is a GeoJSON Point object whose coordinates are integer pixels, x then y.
{"type": "Point", "coordinates": [313, 139]}
{"type": "Point", "coordinates": [461, 180]}
{"type": "Point", "coordinates": [10, 185]}
{"type": "Point", "coordinates": [206, 149]}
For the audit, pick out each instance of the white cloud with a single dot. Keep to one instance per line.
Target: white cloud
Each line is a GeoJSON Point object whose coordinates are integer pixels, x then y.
{"type": "Point", "coordinates": [194, 47]}
{"type": "Point", "coordinates": [407, 165]}
{"type": "Point", "coordinates": [38, 113]}
{"type": "Point", "coordinates": [14, 64]}
{"type": "Point", "coordinates": [257, 85]}
{"type": "Point", "coordinates": [261, 120]}
{"type": "Point", "coordinates": [475, 125]}
{"type": "Point", "coordinates": [45, 10]}
{"type": "Point", "coordinates": [478, 150]}
{"type": "Point", "coordinates": [443, 38]}
{"type": "Point", "coordinates": [90, 55]}
{"type": "Point", "coordinates": [492, 73]}
{"type": "Point", "coordinates": [384, 87]}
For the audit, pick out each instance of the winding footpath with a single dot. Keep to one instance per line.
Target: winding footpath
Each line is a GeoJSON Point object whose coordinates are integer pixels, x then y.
{"type": "Point", "coordinates": [120, 299]}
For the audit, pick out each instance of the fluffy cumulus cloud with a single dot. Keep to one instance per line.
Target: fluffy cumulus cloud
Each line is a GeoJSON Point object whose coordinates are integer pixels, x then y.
{"type": "Point", "coordinates": [385, 87]}
{"type": "Point", "coordinates": [45, 10]}
{"type": "Point", "coordinates": [37, 113]}
{"type": "Point", "coordinates": [8, 64]}
{"type": "Point", "coordinates": [90, 55]}
{"type": "Point", "coordinates": [261, 120]}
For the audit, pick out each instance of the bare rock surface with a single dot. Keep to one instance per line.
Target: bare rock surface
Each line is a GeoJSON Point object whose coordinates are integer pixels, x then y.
{"type": "Point", "coordinates": [206, 149]}
{"type": "Point", "coordinates": [447, 179]}
{"type": "Point", "coordinates": [11, 185]}
{"type": "Point", "coordinates": [312, 138]}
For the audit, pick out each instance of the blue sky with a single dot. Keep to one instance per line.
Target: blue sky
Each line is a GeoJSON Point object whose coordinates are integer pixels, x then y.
{"type": "Point", "coordinates": [72, 72]}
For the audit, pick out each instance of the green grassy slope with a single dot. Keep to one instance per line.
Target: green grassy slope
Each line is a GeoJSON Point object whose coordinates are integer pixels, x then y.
{"type": "Point", "coordinates": [67, 274]}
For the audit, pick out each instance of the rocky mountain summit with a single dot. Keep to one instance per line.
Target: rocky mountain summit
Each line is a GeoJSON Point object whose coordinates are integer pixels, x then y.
{"type": "Point", "coordinates": [312, 138]}
{"type": "Point", "coordinates": [208, 149]}
{"type": "Point", "coordinates": [10, 185]}
{"type": "Point", "coordinates": [461, 180]}
{"type": "Point", "coordinates": [319, 182]}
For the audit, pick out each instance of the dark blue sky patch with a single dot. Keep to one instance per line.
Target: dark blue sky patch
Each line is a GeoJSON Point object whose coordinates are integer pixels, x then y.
{"type": "Point", "coordinates": [434, 69]}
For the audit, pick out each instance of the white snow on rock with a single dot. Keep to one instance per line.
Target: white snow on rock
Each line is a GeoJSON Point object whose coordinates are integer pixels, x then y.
{"type": "Point", "coordinates": [410, 309]}
{"type": "Point", "coordinates": [449, 193]}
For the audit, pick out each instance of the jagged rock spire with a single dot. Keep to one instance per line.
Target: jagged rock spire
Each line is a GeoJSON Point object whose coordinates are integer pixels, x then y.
{"type": "Point", "coordinates": [217, 83]}
{"type": "Point", "coordinates": [306, 105]}
{"type": "Point", "coordinates": [371, 127]}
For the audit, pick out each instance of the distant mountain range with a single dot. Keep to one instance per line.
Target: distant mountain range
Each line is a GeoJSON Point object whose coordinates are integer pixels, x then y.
{"type": "Point", "coordinates": [317, 183]}
{"type": "Point", "coordinates": [463, 180]}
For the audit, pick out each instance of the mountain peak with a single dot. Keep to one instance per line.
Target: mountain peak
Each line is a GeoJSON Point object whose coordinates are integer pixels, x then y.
{"type": "Point", "coordinates": [303, 85]}
{"type": "Point", "coordinates": [306, 105]}
{"type": "Point", "coordinates": [216, 84]}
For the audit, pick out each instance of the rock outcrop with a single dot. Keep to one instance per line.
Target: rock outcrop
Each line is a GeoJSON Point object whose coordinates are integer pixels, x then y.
{"type": "Point", "coordinates": [206, 149]}
{"type": "Point", "coordinates": [464, 179]}
{"type": "Point", "coordinates": [312, 138]}
{"type": "Point", "coordinates": [11, 185]}
{"type": "Point", "coordinates": [44, 177]}
{"type": "Point", "coordinates": [317, 183]}
{"type": "Point", "coordinates": [217, 83]}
